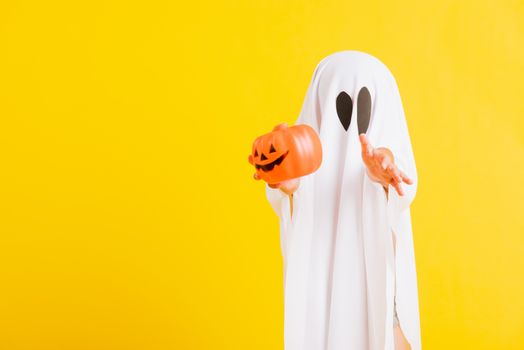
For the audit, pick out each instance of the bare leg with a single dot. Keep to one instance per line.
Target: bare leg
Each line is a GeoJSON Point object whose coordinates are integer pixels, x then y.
{"type": "Point", "coordinates": [401, 343]}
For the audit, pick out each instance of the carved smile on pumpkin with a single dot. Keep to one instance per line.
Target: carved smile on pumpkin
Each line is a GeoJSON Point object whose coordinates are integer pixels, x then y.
{"type": "Point", "coordinates": [269, 166]}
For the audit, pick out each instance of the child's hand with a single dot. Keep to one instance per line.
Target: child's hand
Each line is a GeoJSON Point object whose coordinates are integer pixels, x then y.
{"type": "Point", "coordinates": [381, 166]}
{"type": "Point", "coordinates": [288, 186]}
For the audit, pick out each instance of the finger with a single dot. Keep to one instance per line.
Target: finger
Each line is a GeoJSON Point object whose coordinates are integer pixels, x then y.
{"type": "Point", "coordinates": [369, 161]}
{"type": "Point", "coordinates": [394, 172]}
{"type": "Point", "coordinates": [398, 187]}
{"type": "Point", "coordinates": [274, 185]}
{"type": "Point", "coordinates": [256, 177]}
{"type": "Point", "coordinates": [390, 169]}
{"type": "Point", "coordinates": [405, 178]}
{"type": "Point", "coordinates": [367, 149]}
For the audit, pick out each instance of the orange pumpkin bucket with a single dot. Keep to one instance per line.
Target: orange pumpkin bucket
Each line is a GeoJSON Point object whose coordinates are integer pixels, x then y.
{"type": "Point", "coordinates": [286, 153]}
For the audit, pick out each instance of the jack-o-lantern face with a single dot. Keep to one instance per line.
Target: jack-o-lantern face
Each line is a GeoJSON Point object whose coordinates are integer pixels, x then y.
{"type": "Point", "coordinates": [286, 153]}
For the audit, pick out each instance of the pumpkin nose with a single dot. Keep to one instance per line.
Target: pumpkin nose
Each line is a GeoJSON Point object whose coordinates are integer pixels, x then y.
{"type": "Point", "coordinates": [263, 157]}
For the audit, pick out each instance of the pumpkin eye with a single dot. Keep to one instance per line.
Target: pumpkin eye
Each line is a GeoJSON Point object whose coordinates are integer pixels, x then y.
{"type": "Point", "coordinates": [272, 149]}
{"type": "Point", "coordinates": [256, 153]}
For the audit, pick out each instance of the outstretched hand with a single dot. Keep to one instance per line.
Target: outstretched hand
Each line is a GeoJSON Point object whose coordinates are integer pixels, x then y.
{"type": "Point", "coordinates": [381, 166]}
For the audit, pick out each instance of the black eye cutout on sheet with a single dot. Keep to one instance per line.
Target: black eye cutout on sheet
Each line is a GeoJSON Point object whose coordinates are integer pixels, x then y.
{"type": "Point", "coordinates": [344, 109]}
{"type": "Point", "coordinates": [363, 110]}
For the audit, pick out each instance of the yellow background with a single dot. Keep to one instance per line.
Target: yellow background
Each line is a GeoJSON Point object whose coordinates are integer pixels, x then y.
{"type": "Point", "coordinates": [129, 218]}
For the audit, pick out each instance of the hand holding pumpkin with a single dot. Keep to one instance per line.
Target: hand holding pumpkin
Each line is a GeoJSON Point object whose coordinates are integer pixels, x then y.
{"type": "Point", "coordinates": [288, 187]}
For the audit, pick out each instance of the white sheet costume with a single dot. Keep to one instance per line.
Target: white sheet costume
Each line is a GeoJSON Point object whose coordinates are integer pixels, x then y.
{"type": "Point", "coordinates": [341, 273]}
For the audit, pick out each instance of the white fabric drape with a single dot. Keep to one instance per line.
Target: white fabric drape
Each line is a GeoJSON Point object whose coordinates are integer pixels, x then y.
{"type": "Point", "coordinates": [337, 248]}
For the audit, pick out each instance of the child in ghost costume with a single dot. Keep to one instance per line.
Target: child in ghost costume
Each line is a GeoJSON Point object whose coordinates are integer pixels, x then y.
{"type": "Point", "coordinates": [345, 230]}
